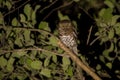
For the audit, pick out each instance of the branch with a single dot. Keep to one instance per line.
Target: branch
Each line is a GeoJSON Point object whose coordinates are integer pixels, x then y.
{"type": "Point", "coordinates": [64, 5]}
{"type": "Point", "coordinates": [79, 62]}
{"type": "Point", "coordinates": [88, 39]}
{"type": "Point", "coordinates": [31, 49]}
{"type": "Point", "coordinates": [16, 8]}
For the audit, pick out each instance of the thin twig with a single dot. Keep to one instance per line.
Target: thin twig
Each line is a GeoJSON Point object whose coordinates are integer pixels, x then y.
{"type": "Point", "coordinates": [16, 8]}
{"type": "Point", "coordinates": [94, 40]}
{"type": "Point", "coordinates": [57, 9]}
{"type": "Point", "coordinates": [87, 69]}
{"type": "Point", "coordinates": [88, 39]}
{"type": "Point", "coordinates": [48, 6]}
{"type": "Point", "coordinates": [31, 49]}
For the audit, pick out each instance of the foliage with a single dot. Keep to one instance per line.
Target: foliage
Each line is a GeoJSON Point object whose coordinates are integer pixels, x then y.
{"type": "Point", "coordinates": [29, 49]}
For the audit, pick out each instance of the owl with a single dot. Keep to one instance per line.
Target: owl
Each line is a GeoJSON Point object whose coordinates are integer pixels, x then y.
{"type": "Point", "coordinates": [68, 35]}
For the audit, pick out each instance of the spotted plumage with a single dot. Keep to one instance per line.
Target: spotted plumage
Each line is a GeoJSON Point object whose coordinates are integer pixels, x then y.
{"type": "Point", "coordinates": [67, 34]}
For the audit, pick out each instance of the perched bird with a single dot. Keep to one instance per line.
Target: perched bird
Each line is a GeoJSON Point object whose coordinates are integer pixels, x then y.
{"type": "Point", "coordinates": [67, 34]}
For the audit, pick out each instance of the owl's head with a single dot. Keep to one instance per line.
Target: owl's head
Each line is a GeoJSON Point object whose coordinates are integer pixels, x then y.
{"type": "Point", "coordinates": [65, 24]}
{"type": "Point", "coordinates": [66, 27]}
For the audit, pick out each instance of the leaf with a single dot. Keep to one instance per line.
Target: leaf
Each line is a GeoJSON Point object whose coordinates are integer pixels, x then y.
{"type": "Point", "coordinates": [98, 67]}
{"type": "Point", "coordinates": [44, 25]}
{"type": "Point", "coordinates": [18, 42]}
{"type": "Point", "coordinates": [15, 22]}
{"type": "Point", "coordinates": [61, 17]}
{"type": "Point", "coordinates": [106, 55]}
{"type": "Point", "coordinates": [9, 5]}
{"type": "Point", "coordinates": [3, 62]}
{"type": "Point", "coordinates": [28, 62]}
{"type": "Point", "coordinates": [46, 72]}
{"type": "Point", "coordinates": [117, 28]}
{"type": "Point", "coordinates": [114, 19]}
{"type": "Point", "coordinates": [34, 14]}
{"type": "Point", "coordinates": [111, 34]}
{"type": "Point", "coordinates": [36, 64]}
{"type": "Point", "coordinates": [109, 3]}
{"type": "Point", "coordinates": [11, 60]}
{"type": "Point", "coordinates": [28, 11]}
{"type": "Point", "coordinates": [66, 61]}
{"type": "Point", "coordinates": [27, 35]}
{"type": "Point", "coordinates": [47, 61]}
{"type": "Point", "coordinates": [111, 48]}
{"type": "Point", "coordinates": [102, 58]}
{"type": "Point", "coordinates": [53, 41]}
{"type": "Point", "coordinates": [10, 66]}
{"type": "Point", "coordinates": [70, 71]}
{"type": "Point", "coordinates": [102, 11]}
{"type": "Point", "coordinates": [54, 58]}
{"type": "Point", "coordinates": [109, 65]}
{"type": "Point", "coordinates": [106, 14]}
{"type": "Point", "coordinates": [22, 18]}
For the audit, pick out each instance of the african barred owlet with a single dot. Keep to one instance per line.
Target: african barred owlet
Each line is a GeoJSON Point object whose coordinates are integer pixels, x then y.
{"type": "Point", "coordinates": [67, 34]}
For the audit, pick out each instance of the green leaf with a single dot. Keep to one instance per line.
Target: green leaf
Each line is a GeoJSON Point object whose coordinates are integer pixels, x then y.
{"type": "Point", "coordinates": [22, 18]}
{"type": "Point", "coordinates": [44, 25]}
{"type": "Point", "coordinates": [18, 42]}
{"type": "Point", "coordinates": [70, 71]}
{"type": "Point", "coordinates": [15, 22]}
{"type": "Point", "coordinates": [36, 64]}
{"type": "Point", "coordinates": [47, 61]}
{"type": "Point", "coordinates": [2, 75]}
{"type": "Point", "coordinates": [66, 61]}
{"type": "Point", "coordinates": [106, 55]}
{"type": "Point", "coordinates": [53, 41]}
{"type": "Point", "coordinates": [117, 28]}
{"type": "Point", "coordinates": [102, 58]}
{"type": "Point", "coordinates": [27, 35]}
{"type": "Point", "coordinates": [22, 60]}
{"type": "Point", "coordinates": [98, 67]}
{"type": "Point", "coordinates": [28, 62]}
{"type": "Point", "coordinates": [10, 66]}
{"type": "Point", "coordinates": [9, 5]}
{"type": "Point", "coordinates": [114, 19]}
{"type": "Point", "coordinates": [102, 11]}
{"type": "Point", "coordinates": [109, 65]}
{"type": "Point", "coordinates": [106, 14]}
{"type": "Point", "coordinates": [11, 60]}
{"type": "Point", "coordinates": [62, 17]}
{"type": "Point", "coordinates": [46, 72]}
{"type": "Point", "coordinates": [28, 11]}
{"type": "Point", "coordinates": [111, 48]}
{"type": "Point", "coordinates": [111, 34]}
{"type": "Point", "coordinates": [3, 62]}
{"type": "Point", "coordinates": [34, 14]}
{"type": "Point", "coordinates": [109, 3]}
{"type": "Point", "coordinates": [54, 58]}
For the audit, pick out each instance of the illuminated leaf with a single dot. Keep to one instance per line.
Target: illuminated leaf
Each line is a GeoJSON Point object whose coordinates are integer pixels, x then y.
{"type": "Point", "coordinates": [46, 72]}
{"type": "Point", "coordinates": [44, 25]}
{"type": "Point", "coordinates": [36, 64]}
{"type": "Point", "coordinates": [3, 61]}
{"type": "Point", "coordinates": [28, 11]}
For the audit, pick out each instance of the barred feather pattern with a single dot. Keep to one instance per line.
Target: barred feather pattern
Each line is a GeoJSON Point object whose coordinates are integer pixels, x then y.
{"type": "Point", "coordinates": [67, 35]}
